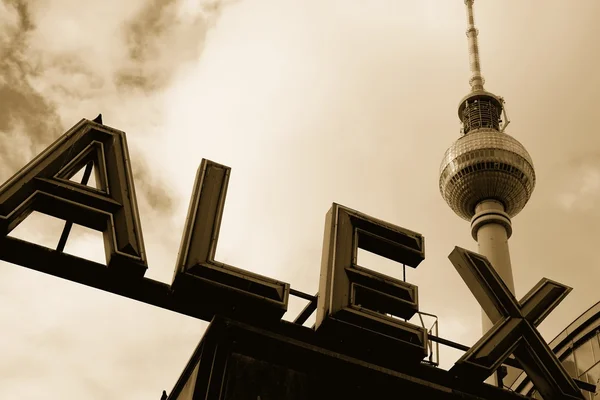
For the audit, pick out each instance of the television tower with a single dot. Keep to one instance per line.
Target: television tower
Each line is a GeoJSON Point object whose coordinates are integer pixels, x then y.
{"type": "Point", "coordinates": [486, 176]}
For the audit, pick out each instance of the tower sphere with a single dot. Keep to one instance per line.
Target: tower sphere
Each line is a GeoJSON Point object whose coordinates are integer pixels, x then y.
{"type": "Point", "coordinates": [486, 164]}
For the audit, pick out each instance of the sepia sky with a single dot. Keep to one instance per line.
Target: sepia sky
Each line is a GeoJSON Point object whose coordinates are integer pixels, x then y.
{"type": "Point", "coordinates": [310, 102]}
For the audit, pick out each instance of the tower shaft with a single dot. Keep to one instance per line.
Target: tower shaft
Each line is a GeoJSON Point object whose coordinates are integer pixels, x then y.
{"type": "Point", "coordinates": [491, 227]}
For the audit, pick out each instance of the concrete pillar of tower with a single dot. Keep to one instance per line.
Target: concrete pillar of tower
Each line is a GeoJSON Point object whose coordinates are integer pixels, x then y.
{"type": "Point", "coordinates": [491, 228]}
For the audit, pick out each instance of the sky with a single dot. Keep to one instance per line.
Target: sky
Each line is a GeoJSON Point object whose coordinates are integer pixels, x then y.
{"type": "Point", "coordinates": [310, 102]}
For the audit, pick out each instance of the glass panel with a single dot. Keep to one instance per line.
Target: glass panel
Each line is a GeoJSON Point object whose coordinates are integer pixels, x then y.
{"type": "Point", "coordinates": [569, 365]}
{"type": "Point", "coordinates": [593, 376]}
{"type": "Point", "coordinates": [596, 347]}
{"type": "Point", "coordinates": [587, 395]}
{"type": "Point", "coordinates": [188, 389]}
{"type": "Point", "coordinates": [584, 357]}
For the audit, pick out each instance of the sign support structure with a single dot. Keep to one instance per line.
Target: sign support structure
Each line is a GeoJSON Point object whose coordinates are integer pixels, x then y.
{"type": "Point", "coordinates": [363, 344]}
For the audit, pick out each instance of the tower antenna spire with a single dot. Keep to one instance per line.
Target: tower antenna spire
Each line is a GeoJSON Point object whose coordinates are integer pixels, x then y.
{"type": "Point", "coordinates": [476, 80]}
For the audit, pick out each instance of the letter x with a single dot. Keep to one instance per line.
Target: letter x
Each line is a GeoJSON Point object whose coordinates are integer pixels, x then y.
{"type": "Point", "coordinates": [514, 330]}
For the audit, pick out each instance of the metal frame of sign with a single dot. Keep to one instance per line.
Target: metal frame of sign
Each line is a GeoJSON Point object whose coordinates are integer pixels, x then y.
{"type": "Point", "coordinates": [514, 330]}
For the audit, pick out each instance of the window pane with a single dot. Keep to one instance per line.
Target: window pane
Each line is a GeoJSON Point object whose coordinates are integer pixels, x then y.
{"type": "Point", "coordinates": [569, 365]}
{"type": "Point", "coordinates": [596, 347]}
{"type": "Point", "coordinates": [593, 376]}
{"type": "Point", "coordinates": [584, 358]}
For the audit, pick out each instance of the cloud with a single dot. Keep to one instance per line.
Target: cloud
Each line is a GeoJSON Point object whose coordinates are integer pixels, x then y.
{"type": "Point", "coordinates": [580, 191]}
{"type": "Point", "coordinates": [160, 38]}
{"type": "Point", "coordinates": [156, 193]}
{"type": "Point", "coordinates": [27, 120]}
{"type": "Point", "coordinates": [55, 72]}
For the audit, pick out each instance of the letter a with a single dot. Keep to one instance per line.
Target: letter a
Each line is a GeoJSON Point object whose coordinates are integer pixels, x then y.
{"type": "Point", "coordinates": [43, 185]}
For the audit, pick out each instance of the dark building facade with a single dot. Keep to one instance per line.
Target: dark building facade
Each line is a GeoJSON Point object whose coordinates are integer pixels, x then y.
{"type": "Point", "coordinates": [237, 361]}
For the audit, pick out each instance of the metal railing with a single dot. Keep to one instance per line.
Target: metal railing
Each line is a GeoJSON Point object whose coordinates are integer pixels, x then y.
{"type": "Point", "coordinates": [433, 338]}
{"type": "Point", "coordinates": [479, 114]}
{"type": "Point", "coordinates": [433, 357]}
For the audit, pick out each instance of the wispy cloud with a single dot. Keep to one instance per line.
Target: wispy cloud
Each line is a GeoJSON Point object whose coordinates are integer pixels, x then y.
{"type": "Point", "coordinates": [45, 87]}
{"type": "Point", "coordinates": [580, 189]}
{"type": "Point", "coordinates": [160, 38]}
{"type": "Point", "coordinates": [28, 120]}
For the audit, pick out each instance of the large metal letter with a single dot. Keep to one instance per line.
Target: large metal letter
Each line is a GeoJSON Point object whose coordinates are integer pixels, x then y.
{"type": "Point", "coordinates": [220, 288]}
{"type": "Point", "coordinates": [351, 295]}
{"type": "Point", "coordinates": [43, 185]}
{"type": "Point", "coordinates": [514, 330]}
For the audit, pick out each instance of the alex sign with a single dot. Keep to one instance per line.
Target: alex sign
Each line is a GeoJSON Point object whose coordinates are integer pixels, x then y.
{"type": "Point", "coordinates": [354, 302]}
